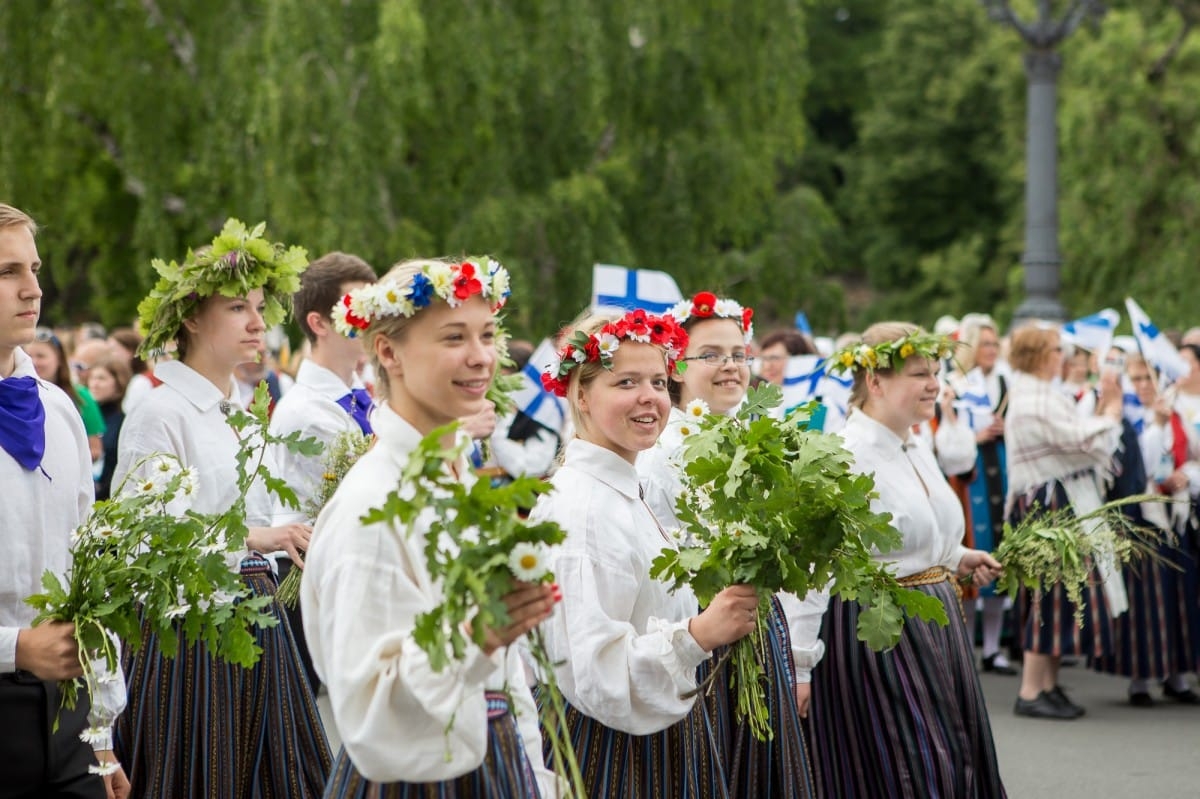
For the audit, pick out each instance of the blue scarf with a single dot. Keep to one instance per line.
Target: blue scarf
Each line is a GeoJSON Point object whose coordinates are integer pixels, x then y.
{"type": "Point", "coordinates": [358, 403]}
{"type": "Point", "coordinates": [22, 421]}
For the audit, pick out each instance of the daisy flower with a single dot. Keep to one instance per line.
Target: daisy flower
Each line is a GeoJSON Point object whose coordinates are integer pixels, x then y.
{"type": "Point", "coordinates": [696, 409]}
{"type": "Point", "coordinates": [528, 562]}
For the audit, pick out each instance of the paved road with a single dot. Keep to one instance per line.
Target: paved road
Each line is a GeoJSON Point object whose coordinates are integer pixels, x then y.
{"type": "Point", "coordinates": [1114, 752]}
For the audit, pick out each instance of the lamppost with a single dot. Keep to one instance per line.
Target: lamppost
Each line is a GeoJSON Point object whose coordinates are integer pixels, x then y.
{"type": "Point", "coordinates": [1043, 35]}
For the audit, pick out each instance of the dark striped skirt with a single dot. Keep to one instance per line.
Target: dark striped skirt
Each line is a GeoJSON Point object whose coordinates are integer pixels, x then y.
{"type": "Point", "coordinates": [910, 722]}
{"type": "Point", "coordinates": [1158, 635]}
{"type": "Point", "coordinates": [1047, 617]}
{"type": "Point", "coordinates": [681, 762]}
{"type": "Point", "coordinates": [505, 774]}
{"type": "Point", "coordinates": [778, 768]}
{"type": "Point", "coordinates": [201, 728]}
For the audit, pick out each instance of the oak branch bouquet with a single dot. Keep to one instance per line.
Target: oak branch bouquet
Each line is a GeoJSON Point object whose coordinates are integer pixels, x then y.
{"type": "Point", "coordinates": [342, 453]}
{"type": "Point", "coordinates": [477, 548]}
{"type": "Point", "coordinates": [135, 560]}
{"type": "Point", "coordinates": [771, 504]}
{"type": "Point", "coordinates": [1051, 547]}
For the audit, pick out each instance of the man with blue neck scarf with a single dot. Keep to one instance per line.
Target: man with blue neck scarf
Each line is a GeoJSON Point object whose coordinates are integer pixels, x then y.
{"type": "Point", "coordinates": [46, 472]}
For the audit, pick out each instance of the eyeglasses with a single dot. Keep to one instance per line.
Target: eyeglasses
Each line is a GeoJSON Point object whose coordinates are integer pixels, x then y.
{"type": "Point", "coordinates": [46, 336]}
{"type": "Point", "coordinates": [712, 359]}
{"type": "Point", "coordinates": [772, 358]}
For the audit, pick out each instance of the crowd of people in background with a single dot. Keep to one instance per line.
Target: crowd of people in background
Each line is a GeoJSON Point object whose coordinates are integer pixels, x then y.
{"type": "Point", "coordinates": [1012, 424]}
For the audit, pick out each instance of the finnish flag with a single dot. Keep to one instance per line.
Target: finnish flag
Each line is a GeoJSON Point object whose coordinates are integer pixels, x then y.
{"type": "Point", "coordinates": [1156, 348]}
{"type": "Point", "coordinates": [1093, 333]}
{"type": "Point", "coordinates": [616, 287]}
{"type": "Point", "coordinates": [534, 401]}
{"type": "Point", "coordinates": [802, 379]}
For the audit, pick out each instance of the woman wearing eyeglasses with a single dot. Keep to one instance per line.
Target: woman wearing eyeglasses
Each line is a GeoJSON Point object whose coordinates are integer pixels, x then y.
{"type": "Point", "coordinates": [718, 374]}
{"type": "Point", "coordinates": [50, 361]}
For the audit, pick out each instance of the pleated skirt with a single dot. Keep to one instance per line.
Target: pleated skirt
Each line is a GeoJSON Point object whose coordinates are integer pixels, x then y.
{"type": "Point", "coordinates": [779, 768]}
{"type": "Point", "coordinates": [1159, 635]}
{"type": "Point", "coordinates": [1046, 616]}
{"type": "Point", "coordinates": [200, 728]}
{"type": "Point", "coordinates": [680, 762]}
{"type": "Point", "coordinates": [904, 724]}
{"type": "Point", "coordinates": [506, 772]}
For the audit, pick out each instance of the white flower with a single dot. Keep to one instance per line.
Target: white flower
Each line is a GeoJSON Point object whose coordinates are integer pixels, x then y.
{"type": "Point", "coordinates": [104, 769]}
{"type": "Point", "coordinates": [393, 303]}
{"type": "Point", "coordinates": [217, 544]}
{"type": "Point", "coordinates": [608, 344]}
{"type": "Point", "coordinates": [178, 610]}
{"type": "Point", "coordinates": [499, 280]}
{"type": "Point", "coordinates": [528, 562]}
{"type": "Point", "coordinates": [686, 430]}
{"type": "Point", "coordinates": [696, 409]}
{"type": "Point", "coordinates": [681, 310]}
{"type": "Point", "coordinates": [579, 355]}
{"type": "Point", "coordinates": [442, 277]}
{"type": "Point", "coordinates": [728, 309]}
{"type": "Point", "coordinates": [677, 535]}
{"type": "Point", "coordinates": [189, 482]}
{"type": "Point", "coordinates": [93, 735]}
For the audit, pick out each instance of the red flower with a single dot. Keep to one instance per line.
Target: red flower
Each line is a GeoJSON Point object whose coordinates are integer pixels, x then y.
{"type": "Point", "coordinates": [466, 283]}
{"type": "Point", "coordinates": [592, 349]}
{"type": "Point", "coordinates": [747, 315]}
{"type": "Point", "coordinates": [704, 304]}
{"type": "Point", "coordinates": [554, 385]}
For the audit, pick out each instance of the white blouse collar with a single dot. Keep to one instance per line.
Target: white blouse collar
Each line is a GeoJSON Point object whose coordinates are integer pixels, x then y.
{"type": "Point", "coordinates": [195, 387]}
{"type": "Point", "coordinates": [605, 465]}
{"type": "Point", "coordinates": [876, 434]}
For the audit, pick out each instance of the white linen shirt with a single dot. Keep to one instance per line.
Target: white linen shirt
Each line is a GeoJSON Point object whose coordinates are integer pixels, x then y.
{"type": "Point", "coordinates": [310, 408]}
{"type": "Point", "coordinates": [41, 510]}
{"type": "Point", "coordinates": [363, 587]}
{"type": "Point", "coordinates": [183, 417]}
{"type": "Point", "coordinates": [622, 637]}
{"type": "Point", "coordinates": [661, 471]}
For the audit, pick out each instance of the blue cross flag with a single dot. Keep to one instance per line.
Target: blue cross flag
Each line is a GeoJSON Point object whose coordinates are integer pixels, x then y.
{"type": "Point", "coordinates": [1156, 348]}
{"type": "Point", "coordinates": [627, 289]}
{"type": "Point", "coordinates": [543, 407]}
{"type": "Point", "coordinates": [1093, 333]}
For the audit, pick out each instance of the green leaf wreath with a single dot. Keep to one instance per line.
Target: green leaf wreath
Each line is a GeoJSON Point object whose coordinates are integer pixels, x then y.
{"type": "Point", "coordinates": [772, 504]}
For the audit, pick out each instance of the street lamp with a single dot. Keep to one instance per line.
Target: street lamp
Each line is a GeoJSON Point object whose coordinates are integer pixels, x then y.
{"type": "Point", "coordinates": [1043, 35]}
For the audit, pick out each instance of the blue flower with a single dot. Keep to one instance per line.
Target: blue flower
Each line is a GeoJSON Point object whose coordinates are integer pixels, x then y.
{"type": "Point", "coordinates": [421, 292]}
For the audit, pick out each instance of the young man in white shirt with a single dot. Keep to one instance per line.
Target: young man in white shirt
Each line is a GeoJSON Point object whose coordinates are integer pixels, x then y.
{"type": "Point", "coordinates": [46, 472]}
{"type": "Point", "coordinates": [328, 398]}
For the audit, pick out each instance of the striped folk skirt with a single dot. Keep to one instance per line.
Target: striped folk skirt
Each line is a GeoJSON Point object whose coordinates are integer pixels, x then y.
{"type": "Point", "coordinates": [200, 728]}
{"type": "Point", "coordinates": [1047, 617]}
{"type": "Point", "coordinates": [910, 722]}
{"type": "Point", "coordinates": [779, 768]}
{"type": "Point", "coordinates": [1159, 635]}
{"type": "Point", "coordinates": [505, 774]}
{"type": "Point", "coordinates": [680, 762]}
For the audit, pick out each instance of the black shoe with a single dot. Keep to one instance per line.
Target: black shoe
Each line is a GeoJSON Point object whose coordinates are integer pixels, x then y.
{"type": "Point", "coordinates": [1043, 708]}
{"type": "Point", "coordinates": [1185, 697]}
{"type": "Point", "coordinates": [1141, 699]}
{"type": "Point", "coordinates": [1059, 697]}
{"type": "Point", "coordinates": [989, 665]}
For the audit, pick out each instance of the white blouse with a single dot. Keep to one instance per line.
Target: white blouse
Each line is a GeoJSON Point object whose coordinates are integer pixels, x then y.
{"type": "Point", "coordinates": [310, 408]}
{"type": "Point", "coordinates": [913, 489]}
{"type": "Point", "coordinates": [184, 417]}
{"type": "Point", "coordinates": [42, 507]}
{"type": "Point", "coordinates": [363, 587]}
{"type": "Point", "coordinates": [622, 636]}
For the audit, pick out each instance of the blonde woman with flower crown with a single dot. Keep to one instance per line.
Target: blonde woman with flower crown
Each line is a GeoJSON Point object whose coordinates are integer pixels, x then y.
{"type": "Point", "coordinates": [196, 726]}
{"type": "Point", "coordinates": [716, 379]}
{"type": "Point", "coordinates": [909, 722]}
{"type": "Point", "coordinates": [629, 647]}
{"type": "Point", "coordinates": [407, 730]}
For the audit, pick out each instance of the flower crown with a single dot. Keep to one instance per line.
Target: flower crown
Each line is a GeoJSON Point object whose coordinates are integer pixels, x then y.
{"type": "Point", "coordinates": [891, 354]}
{"type": "Point", "coordinates": [706, 305]}
{"type": "Point", "coordinates": [452, 282]}
{"type": "Point", "coordinates": [238, 261]}
{"type": "Point", "coordinates": [600, 346]}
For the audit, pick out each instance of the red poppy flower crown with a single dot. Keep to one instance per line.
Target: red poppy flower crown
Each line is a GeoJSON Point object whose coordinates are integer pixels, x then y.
{"type": "Point", "coordinates": [707, 305]}
{"type": "Point", "coordinates": [639, 326]}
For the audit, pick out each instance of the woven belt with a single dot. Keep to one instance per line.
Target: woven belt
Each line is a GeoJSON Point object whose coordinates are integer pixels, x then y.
{"type": "Point", "coordinates": [932, 576]}
{"type": "Point", "coordinates": [255, 565]}
{"type": "Point", "coordinates": [497, 704]}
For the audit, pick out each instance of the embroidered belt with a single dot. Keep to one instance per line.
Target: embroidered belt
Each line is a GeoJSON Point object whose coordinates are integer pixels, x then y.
{"type": "Point", "coordinates": [931, 576]}
{"type": "Point", "coordinates": [255, 564]}
{"type": "Point", "coordinates": [497, 704]}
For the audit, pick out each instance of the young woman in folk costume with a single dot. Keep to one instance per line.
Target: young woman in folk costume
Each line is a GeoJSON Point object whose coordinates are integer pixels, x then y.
{"type": "Point", "coordinates": [197, 726]}
{"type": "Point", "coordinates": [909, 722]}
{"type": "Point", "coordinates": [718, 374]}
{"type": "Point", "coordinates": [408, 730]}
{"type": "Point", "coordinates": [629, 647]}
